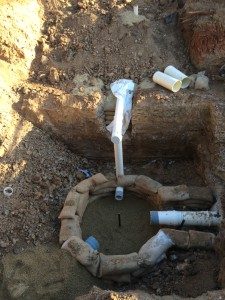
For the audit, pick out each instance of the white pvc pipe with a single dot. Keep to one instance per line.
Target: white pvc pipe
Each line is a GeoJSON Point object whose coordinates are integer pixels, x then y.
{"type": "Point", "coordinates": [123, 90]}
{"type": "Point", "coordinates": [175, 73]}
{"type": "Point", "coordinates": [167, 81]}
{"type": "Point", "coordinates": [119, 193]}
{"type": "Point", "coordinates": [154, 249]}
{"type": "Point", "coordinates": [176, 218]}
{"type": "Point", "coordinates": [136, 10]}
{"type": "Point", "coordinates": [118, 153]}
{"type": "Point", "coordinates": [116, 137]}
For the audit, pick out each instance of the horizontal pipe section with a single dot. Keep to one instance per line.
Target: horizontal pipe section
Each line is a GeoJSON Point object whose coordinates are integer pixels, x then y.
{"type": "Point", "coordinates": [176, 218]}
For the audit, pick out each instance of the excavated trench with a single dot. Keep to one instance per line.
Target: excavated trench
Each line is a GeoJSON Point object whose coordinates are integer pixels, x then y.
{"type": "Point", "coordinates": [175, 139]}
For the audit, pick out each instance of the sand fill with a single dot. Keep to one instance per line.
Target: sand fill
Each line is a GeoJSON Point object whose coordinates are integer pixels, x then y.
{"type": "Point", "coordinates": [101, 221]}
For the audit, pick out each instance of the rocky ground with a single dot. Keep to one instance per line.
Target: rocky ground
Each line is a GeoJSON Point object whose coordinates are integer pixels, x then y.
{"type": "Point", "coordinates": [105, 40]}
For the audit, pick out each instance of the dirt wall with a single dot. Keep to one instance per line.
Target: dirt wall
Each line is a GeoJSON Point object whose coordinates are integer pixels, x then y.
{"type": "Point", "coordinates": [203, 28]}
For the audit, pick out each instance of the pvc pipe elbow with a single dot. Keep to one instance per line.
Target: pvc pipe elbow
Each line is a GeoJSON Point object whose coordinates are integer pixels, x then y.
{"type": "Point", "coordinates": [175, 73]}
{"type": "Point", "coordinates": [167, 81]}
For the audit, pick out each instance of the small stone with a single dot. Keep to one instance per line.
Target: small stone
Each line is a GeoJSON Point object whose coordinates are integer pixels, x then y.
{"type": "Point", "coordinates": [202, 82]}
{"type": "Point", "coordinates": [182, 266]}
{"type": "Point", "coordinates": [2, 151]}
{"type": "Point", "coordinates": [53, 75]}
{"type": "Point", "coordinates": [110, 74]}
{"type": "Point", "coordinates": [45, 47]}
{"type": "Point", "coordinates": [44, 60]}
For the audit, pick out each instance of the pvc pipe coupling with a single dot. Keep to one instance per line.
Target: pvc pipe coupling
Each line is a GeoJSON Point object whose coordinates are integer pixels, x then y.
{"type": "Point", "coordinates": [194, 218]}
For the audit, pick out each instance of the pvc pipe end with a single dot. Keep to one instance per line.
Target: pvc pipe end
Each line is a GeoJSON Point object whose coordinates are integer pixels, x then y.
{"type": "Point", "coordinates": [185, 82]}
{"type": "Point", "coordinates": [154, 217]}
{"type": "Point", "coordinates": [167, 81]}
{"type": "Point", "coordinates": [168, 68]}
{"type": "Point", "coordinates": [8, 191]}
{"type": "Point", "coordinates": [176, 87]}
{"type": "Point", "coordinates": [119, 193]}
{"type": "Point", "coordinates": [93, 243]}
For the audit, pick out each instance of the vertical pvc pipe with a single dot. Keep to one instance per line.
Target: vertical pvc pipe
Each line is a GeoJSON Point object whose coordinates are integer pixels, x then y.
{"type": "Point", "coordinates": [118, 152]}
{"type": "Point", "coordinates": [116, 137]}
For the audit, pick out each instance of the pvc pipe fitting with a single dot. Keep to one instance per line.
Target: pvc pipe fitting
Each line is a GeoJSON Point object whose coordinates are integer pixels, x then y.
{"type": "Point", "coordinates": [93, 243]}
{"type": "Point", "coordinates": [154, 249]}
{"type": "Point", "coordinates": [167, 81]}
{"type": "Point", "coordinates": [119, 193]}
{"type": "Point", "coordinates": [8, 191]}
{"type": "Point", "coordinates": [176, 218]}
{"type": "Point", "coordinates": [175, 73]}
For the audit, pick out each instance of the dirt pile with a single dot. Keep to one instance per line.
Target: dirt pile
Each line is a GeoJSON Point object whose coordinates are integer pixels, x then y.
{"type": "Point", "coordinates": [204, 30]}
{"type": "Point", "coordinates": [18, 37]}
{"type": "Point", "coordinates": [103, 39]}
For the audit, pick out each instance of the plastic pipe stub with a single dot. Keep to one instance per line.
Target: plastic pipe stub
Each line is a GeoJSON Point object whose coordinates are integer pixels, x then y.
{"type": "Point", "coordinates": [119, 193]}
{"type": "Point", "coordinates": [154, 217]}
{"type": "Point", "coordinates": [8, 191]}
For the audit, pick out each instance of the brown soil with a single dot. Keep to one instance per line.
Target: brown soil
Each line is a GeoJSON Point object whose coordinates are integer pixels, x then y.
{"type": "Point", "coordinates": [94, 40]}
{"type": "Point", "coordinates": [84, 37]}
{"type": "Point", "coordinates": [188, 274]}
